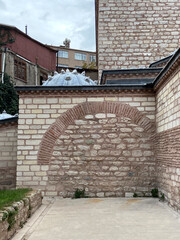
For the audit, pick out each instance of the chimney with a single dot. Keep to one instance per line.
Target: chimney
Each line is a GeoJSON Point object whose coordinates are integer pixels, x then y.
{"type": "Point", "coordinates": [67, 43]}
{"type": "Point", "coordinates": [26, 29]}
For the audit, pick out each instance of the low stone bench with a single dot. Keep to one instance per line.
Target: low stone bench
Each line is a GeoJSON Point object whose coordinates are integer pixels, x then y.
{"type": "Point", "coordinates": [14, 217]}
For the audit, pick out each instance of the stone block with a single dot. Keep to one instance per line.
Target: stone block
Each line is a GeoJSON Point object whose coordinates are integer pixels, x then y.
{"type": "Point", "coordinates": [39, 100]}
{"type": "Point", "coordinates": [129, 194]}
{"type": "Point", "coordinates": [100, 194]}
{"type": "Point", "coordinates": [113, 169]}
{"type": "Point", "coordinates": [78, 100]}
{"type": "Point", "coordinates": [100, 115]}
{"type": "Point", "coordinates": [64, 100]}
{"type": "Point", "coordinates": [136, 153]}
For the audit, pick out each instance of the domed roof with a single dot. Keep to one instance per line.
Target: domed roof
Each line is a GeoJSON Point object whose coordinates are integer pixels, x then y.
{"type": "Point", "coordinates": [5, 115]}
{"type": "Point", "coordinates": [67, 78]}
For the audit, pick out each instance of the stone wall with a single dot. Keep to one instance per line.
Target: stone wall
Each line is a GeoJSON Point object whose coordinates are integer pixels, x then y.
{"type": "Point", "coordinates": [21, 210]}
{"type": "Point", "coordinates": [134, 34]}
{"type": "Point", "coordinates": [168, 138]}
{"type": "Point", "coordinates": [96, 141]}
{"type": "Point", "coordinates": [8, 155]}
{"type": "Point", "coordinates": [108, 155]}
{"type": "Point", "coordinates": [31, 70]}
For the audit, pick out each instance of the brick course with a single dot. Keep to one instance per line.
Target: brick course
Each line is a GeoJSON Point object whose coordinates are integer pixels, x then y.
{"type": "Point", "coordinates": [168, 167]}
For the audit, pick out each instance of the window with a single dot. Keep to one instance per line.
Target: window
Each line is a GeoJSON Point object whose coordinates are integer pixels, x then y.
{"type": "Point", "coordinates": [63, 65]}
{"type": "Point", "coordinates": [63, 54]}
{"type": "Point", "coordinates": [20, 69]}
{"type": "Point", "coordinates": [92, 58]}
{"type": "Point", "coordinates": [78, 67]}
{"type": "Point", "coordinates": [80, 56]}
{"type": "Point", "coordinates": [43, 77]}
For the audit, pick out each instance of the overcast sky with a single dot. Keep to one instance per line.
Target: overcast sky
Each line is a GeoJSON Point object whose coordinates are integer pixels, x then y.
{"type": "Point", "coordinates": [51, 21]}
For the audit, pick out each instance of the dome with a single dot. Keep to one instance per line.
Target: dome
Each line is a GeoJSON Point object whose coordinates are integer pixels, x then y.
{"type": "Point", "coordinates": [67, 78]}
{"type": "Point", "coordinates": [5, 115]}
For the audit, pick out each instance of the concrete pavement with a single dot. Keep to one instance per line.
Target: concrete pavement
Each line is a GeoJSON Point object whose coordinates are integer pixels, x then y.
{"type": "Point", "coordinates": [102, 219]}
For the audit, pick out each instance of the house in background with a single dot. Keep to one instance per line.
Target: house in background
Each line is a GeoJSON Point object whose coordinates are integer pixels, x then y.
{"type": "Point", "coordinates": [25, 60]}
{"type": "Point", "coordinates": [75, 59]}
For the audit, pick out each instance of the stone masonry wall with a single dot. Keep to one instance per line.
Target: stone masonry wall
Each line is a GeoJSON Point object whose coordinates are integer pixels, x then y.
{"type": "Point", "coordinates": [134, 33]}
{"type": "Point", "coordinates": [168, 139]}
{"type": "Point", "coordinates": [105, 154]}
{"type": "Point", "coordinates": [8, 156]}
{"type": "Point", "coordinates": [56, 131]}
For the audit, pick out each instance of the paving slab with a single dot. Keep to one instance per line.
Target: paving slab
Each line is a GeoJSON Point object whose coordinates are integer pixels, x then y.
{"type": "Point", "coordinates": [103, 219]}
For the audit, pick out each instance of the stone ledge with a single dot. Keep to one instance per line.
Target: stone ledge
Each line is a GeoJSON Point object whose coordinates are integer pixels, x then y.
{"type": "Point", "coordinates": [14, 217]}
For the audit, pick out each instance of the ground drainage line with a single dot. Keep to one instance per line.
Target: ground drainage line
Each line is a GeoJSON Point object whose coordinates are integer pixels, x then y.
{"type": "Point", "coordinates": [36, 222]}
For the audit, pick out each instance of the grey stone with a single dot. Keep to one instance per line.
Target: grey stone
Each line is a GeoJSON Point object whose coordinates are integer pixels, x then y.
{"type": "Point", "coordinates": [83, 147]}
{"type": "Point", "coordinates": [100, 194]}
{"type": "Point", "coordinates": [113, 168]}
{"type": "Point", "coordinates": [72, 173]}
{"type": "Point", "coordinates": [136, 153]}
{"type": "Point", "coordinates": [112, 135]}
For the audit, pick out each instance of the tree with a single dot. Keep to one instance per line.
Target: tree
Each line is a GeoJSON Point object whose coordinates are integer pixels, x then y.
{"type": "Point", "coordinates": [9, 100]}
{"type": "Point", "coordinates": [91, 65]}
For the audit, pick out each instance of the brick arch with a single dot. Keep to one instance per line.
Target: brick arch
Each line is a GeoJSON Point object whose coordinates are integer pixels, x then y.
{"type": "Point", "coordinates": [67, 118]}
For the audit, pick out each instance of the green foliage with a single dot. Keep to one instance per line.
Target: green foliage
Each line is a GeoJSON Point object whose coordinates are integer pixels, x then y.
{"type": "Point", "coordinates": [8, 97]}
{"type": "Point", "coordinates": [5, 37]}
{"type": "Point", "coordinates": [5, 215]}
{"type": "Point", "coordinates": [79, 193]}
{"type": "Point", "coordinates": [11, 219]}
{"type": "Point", "coordinates": [162, 197]}
{"type": "Point", "coordinates": [7, 197]}
{"type": "Point", "coordinates": [91, 65]}
{"type": "Point", "coordinates": [154, 193]}
{"type": "Point", "coordinates": [135, 195]}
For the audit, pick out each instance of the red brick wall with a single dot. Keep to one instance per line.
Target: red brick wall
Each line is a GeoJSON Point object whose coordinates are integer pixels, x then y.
{"type": "Point", "coordinates": [33, 51]}
{"type": "Point", "coordinates": [133, 34]}
{"type": "Point", "coordinates": [168, 138]}
{"type": "Point", "coordinates": [168, 166]}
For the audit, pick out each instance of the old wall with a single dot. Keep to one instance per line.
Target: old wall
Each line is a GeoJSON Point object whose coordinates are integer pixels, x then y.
{"type": "Point", "coordinates": [98, 141]}
{"type": "Point", "coordinates": [133, 34]}
{"type": "Point", "coordinates": [168, 140]}
{"type": "Point", "coordinates": [30, 71]}
{"type": "Point", "coordinates": [8, 155]}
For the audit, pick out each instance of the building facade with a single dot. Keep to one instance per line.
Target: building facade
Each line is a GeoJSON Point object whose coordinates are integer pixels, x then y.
{"type": "Point", "coordinates": [132, 34]}
{"type": "Point", "coordinates": [25, 60]}
{"type": "Point", "coordinates": [109, 140]}
{"type": "Point", "coordinates": [73, 58]}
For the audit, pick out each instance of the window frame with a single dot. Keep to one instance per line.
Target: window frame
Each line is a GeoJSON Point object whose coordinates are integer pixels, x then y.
{"type": "Point", "coordinates": [21, 69]}
{"type": "Point", "coordinates": [44, 75]}
{"type": "Point", "coordinates": [92, 57]}
{"type": "Point", "coordinates": [82, 56]}
{"type": "Point", "coordinates": [63, 52]}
